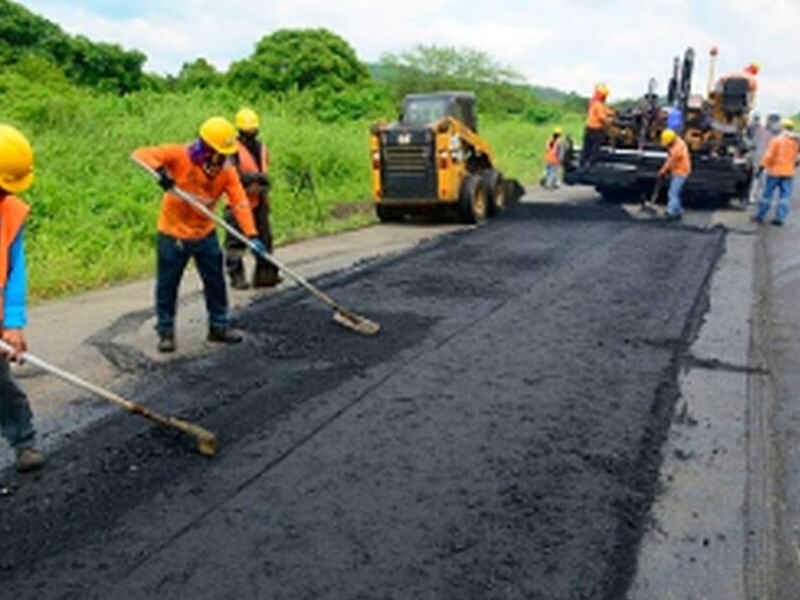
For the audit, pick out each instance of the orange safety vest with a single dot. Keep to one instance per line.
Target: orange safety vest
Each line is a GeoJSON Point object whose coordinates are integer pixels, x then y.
{"type": "Point", "coordinates": [180, 219]}
{"type": "Point", "coordinates": [780, 159]}
{"type": "Point", "coordinates": [551, 155]}
{"type": "Point", "coordinates": [598, 115]}
{"type": "Point", "coordinates": [678, 161]}
{"type": "Point", "coordinates": [248, 164]}
{"type": "Point", "coordinates": [13, 213]}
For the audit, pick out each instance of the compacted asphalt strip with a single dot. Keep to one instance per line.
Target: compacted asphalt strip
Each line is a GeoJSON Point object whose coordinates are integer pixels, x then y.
{"type": "Point", "coordinates": [500, 438]}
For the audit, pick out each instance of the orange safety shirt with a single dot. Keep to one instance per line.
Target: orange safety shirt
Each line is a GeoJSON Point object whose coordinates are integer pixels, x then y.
{"type": "Point", "coordinates": [780, 159]}
{"type": "Point", "coordinates": [248, 164]}
{"type": "Point", "coordinates": [599, 114]}
{"type": "Point", "coordinates": [180, 219]}
{"type": "Point", "coordinates": [551, 155]}
{"type": "Point", "coordinates": [13, 213]}
{"type": "Point", "coordinates": [678, 161]}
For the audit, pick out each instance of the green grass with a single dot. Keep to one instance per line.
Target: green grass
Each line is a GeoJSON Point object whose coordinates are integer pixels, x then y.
{"type": "Point", "coordinates": [94, 212]}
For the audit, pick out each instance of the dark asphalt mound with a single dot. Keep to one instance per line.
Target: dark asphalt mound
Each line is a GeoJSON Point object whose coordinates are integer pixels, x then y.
{"type": "Point", "coordinates": [500, 438]}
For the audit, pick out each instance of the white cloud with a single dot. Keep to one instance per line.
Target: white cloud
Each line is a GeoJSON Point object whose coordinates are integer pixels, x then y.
{"type": "Point", "coordinates": [570, 44]}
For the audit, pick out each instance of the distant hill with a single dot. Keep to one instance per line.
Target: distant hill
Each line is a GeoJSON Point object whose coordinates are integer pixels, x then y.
{"type": "Point", "coordinates": [25, 36]}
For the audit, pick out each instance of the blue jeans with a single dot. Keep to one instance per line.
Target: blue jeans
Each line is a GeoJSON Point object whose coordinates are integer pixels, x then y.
{"type": "Point", "coordinates": [675, 187]}
{"type": "Point", "coordinates": [16, 419]}
{"type": "Point", "coordinates": [551, 175]}
{"type": "Point", "coordinates": [784, 185]}
{"type": "Point", "coordinates": [173, 255]}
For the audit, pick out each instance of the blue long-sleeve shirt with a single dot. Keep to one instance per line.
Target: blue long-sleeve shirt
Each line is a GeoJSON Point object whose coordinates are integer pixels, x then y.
{"type": "Point", "coordinates": [16, 286]}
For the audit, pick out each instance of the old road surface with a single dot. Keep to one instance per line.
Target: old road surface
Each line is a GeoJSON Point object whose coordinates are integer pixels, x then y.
{"type": "Point", "coordinates": [501, 438]}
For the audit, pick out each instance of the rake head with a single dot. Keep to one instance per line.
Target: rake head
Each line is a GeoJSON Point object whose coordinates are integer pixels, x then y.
{"type": "Point", "coordinates": [355, 322]}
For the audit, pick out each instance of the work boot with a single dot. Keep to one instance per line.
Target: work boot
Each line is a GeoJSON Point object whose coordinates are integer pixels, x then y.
{"type": "Point", "coordinates": [238, 280]}
{"type": "Point", "coordinates": [266, 276]}
{"type": "Point", "coordinates": [777, 222]}
{"type": "Point", "coordinates": [29, 459]}
{"type": "Point", "coordinates": [224, 335]}
{"type": "Point", "coordinates": [166, 342]}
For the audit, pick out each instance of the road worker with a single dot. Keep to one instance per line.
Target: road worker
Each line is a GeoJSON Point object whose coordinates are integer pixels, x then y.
{"type": "Point", "coordinates": [252, 163]}
{"type": "Point", "coordinates": [594, 133]}
{"type": "Point", "coordinates": [780, 161]}
{"type": "Point", "coordinates": [202, 169]}
{"type": "Point", "coordinates": [552, 157]}
{"type": "Point", "coordinates": [599, 90]}
{"type": "Point", "coordinates": [678, 165]}
{"type": "Point", "coordinates": [750, 73]}
{"type": "Point", "coordinates": [16, 175]}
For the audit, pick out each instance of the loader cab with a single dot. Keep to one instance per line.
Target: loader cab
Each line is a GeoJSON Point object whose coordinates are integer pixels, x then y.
{"type": "Point", "coordinates": [424, 109]}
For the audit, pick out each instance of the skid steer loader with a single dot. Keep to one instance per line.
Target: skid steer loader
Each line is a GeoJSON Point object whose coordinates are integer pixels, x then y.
{"type": "Point", "coordinates": [433, 160]}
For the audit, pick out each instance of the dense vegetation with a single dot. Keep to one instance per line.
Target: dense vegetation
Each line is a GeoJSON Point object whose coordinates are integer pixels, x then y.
{"type": "Point", "coordinates": [86, 106]}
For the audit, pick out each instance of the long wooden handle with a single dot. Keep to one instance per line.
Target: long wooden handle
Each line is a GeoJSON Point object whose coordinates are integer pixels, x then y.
{"type": "Point", "coordinates": [199, 205]}
{"type": "Point", "coordinates": [206, 440]}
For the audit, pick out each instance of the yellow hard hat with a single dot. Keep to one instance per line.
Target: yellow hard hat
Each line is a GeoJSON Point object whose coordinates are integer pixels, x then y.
{"type": "Point", "coordinates": [558, 130]}
{"type": "Point", "coordinates": [218, 133]}
{"type": "Point", "coordinates": [787, 124]}
{"type": "Point", "coordinates": [755, 67]}
{"type": "Point", "coordinates": [16, 160]}
{"type": "Point", "coordinates": [247, 119]}
{"type": "Point", "coordinates": [667, 137]}
{"type": "Point", "coordinates": [603, 90]}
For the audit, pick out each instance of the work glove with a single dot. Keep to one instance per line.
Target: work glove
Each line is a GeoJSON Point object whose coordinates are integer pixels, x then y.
{"type": "Point", "coordinates": [257, 246]}
{"type": "Point", "coordinates": [164, 180]}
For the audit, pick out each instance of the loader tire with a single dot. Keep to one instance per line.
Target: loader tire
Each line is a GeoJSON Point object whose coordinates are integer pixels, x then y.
{"type": "Point", "coordinates": [472, 205]}
{"type": "Point", "coordinates": [495, 191]}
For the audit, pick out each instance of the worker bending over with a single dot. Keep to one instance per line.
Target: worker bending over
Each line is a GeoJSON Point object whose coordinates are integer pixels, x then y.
{"type": "Point", "coordinates": [780, 161]}
{"type": "Point", "coordinates": [202, 169]}
{"type": "Point", "coordinates": [16, 175]}
{"type": "Point", "coordinates": [594, 133]}
{"type": "Point", "coordinates": [678, 165]}
{"type": "Point", "coordinates": [252, 162]}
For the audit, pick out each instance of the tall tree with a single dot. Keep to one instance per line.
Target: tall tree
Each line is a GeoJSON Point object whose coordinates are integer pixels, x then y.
{"type": "Point", "coordinates": [100, 65]}
{"type": "Point", "coordinates": [301, 59]}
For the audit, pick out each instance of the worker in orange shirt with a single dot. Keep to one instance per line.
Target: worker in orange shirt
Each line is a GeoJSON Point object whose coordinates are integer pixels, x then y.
{"type": "Point", "coordinates": [750, 73]}
{"type": "Point", "coordinates": [780, 161]}
{"type": "Point", "coordinates": [594, 133]}
{"type": "Point", "coordinates": [16, 175]}
{"type": "Point", "coordinates": [201, 169]}
{"type": "Point", "coordinates": [678, 165]}
{"type": "Point", "coordinates": [552, 159]}
{"type": "Point", "coordinates": [252, 163]}
{"type": "Point", "coordinates": [599, 91]}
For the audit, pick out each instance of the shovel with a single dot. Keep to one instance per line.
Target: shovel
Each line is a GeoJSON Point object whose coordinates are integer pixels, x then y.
{"type": "Point", "coordinates": [206, 440]}
{"type": "Point", "coordinates": [341, 315]}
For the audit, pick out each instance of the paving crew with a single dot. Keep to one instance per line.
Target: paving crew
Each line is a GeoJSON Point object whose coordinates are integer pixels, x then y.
{"type": "Point", "coordinates": [678, 165]}
{"type": "Point", "coordinates": [552, 157]}
{"type": "Point", "coordinates": [200, 168]}
{"type": "Point", "coordinates": [597, 118]}
{"type": "Point", "coordinates": [252, 164]}
{"type": "Point", "coordinates": [16, 175]}
{"type": "Point", "coordinates": [780, 161]}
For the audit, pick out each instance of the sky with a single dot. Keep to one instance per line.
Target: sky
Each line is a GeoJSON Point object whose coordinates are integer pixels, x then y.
{"type": "Point", "coordinates": [567, 44]}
